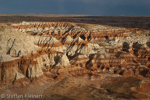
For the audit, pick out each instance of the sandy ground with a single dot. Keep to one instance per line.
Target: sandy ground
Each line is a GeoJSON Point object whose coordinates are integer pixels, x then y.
{"type": "Point", "coordinates": [105, 87]}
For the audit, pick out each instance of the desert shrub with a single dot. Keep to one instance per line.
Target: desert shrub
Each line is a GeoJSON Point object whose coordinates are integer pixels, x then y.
{"type": "Point", "coordinates": [2, 27]}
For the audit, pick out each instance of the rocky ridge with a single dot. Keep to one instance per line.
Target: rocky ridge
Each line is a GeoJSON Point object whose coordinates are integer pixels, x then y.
{"type": "Point", "coordinates": [29, 50]}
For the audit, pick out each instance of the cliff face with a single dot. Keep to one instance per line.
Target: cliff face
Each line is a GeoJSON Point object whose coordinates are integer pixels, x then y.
{"type": "Point", "coordinates": [29, 50]}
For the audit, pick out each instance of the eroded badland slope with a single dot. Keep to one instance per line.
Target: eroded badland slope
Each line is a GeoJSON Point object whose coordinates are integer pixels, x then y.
{"type": "Point", "coordinates": [74, 61]}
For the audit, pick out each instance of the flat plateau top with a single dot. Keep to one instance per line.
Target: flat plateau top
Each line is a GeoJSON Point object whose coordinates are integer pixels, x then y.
{"type": "Point", "coordinates": [117, 21]}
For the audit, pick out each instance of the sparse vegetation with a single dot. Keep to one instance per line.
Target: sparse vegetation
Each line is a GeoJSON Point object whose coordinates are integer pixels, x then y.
{"type": "Point", "coordinates": [2, 27]}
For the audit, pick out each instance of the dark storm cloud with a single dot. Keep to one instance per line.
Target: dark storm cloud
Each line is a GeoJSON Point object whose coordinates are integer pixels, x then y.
{"type": "Point", "coordinates": [89, 7]}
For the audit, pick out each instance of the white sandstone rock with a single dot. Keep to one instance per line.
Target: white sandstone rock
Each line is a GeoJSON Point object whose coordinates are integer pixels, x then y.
{"type": "Point", "coordinates": [63, 61]}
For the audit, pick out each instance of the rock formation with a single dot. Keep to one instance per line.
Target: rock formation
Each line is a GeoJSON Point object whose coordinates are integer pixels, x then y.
{"type": "Point", "coordinates": [29, 50]}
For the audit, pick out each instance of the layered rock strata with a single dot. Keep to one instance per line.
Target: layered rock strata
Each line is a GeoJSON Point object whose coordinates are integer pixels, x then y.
{"type": "Point", "coordinates": [29, 50]}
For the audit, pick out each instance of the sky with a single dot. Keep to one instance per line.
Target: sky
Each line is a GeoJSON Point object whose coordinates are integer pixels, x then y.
{"type": "Point", "coordinates": [81, 7]}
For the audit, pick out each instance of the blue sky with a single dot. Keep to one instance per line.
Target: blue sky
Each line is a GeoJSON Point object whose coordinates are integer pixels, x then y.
{"type": "Point", "coordinates": [85, 7]}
